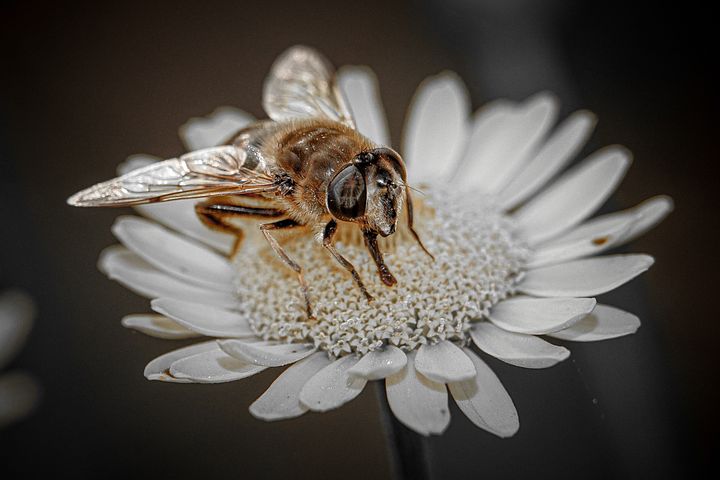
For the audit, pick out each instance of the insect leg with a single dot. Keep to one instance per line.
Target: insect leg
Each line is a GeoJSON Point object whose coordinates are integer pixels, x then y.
{"type": "Point", "coordinates": [408, 201]}
{"type": "Point", "coordinates": [265, 228]}
{"type": "Point", "coordinates": [328, 235]}
{"type": "Point", "coordinates": [372, 245]}
{"type": "Point", "coordinates": [216, 214]}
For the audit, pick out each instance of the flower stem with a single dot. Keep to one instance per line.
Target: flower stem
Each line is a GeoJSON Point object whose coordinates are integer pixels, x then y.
{"type": "Point", "coordinates": [407, 449]}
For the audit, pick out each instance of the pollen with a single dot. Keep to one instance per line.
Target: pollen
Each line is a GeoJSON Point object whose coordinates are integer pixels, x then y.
{"type": "Point", "coordinates": [478, 262]}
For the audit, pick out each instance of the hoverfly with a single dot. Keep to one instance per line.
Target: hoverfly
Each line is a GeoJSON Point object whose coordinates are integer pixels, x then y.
{"type": "Point", "coordinates": [306, 165]}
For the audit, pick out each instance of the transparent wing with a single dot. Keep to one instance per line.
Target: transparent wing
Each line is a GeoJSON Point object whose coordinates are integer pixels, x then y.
{"type": "Point", "coordinates": [301, 84]}
{"type": "Point", "coordinates": [202, 173]}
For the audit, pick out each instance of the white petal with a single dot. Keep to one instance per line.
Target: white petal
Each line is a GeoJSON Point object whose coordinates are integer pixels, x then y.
{"type": "Point", "coordinates": [519, 349]}
{"type": "Point", "coordinates": [604, 323]}
{"type": "Point", "coordinates": [159, 368]}
{"type": "Point", "coordinates": [16, 317]}
{"type": "Point", "coordinates": [204, 319]}
{"type": "Point", "coordinates": [436, 129]}
{"type": "Point", "coordinates": [602, 233]}
{"type": "Point", "coordinates": [267, 354]}
{"type": "Point", "coordinates": [485, 401]}
{"type": "Point", "coordinates": [586, 240]}
{"type": "Point", "coordinates": [555, 153]}
{"type": "Point", "coordinates": [133, 162]}
{"type": "Point", "coordinates": [488, 127]}
{"type": "Point", "coordinates": [214, 129]}
{"type": "Point", "coordinates": [157, 326]}
{"type": "Point", "coordinates": [649, 213]}
{"type": "Point", "coordinates": [574, 197]}
{"type": "Point", "coordinates": [180, 216]}
{"type": "Point", "coordinates": [536, 316]}
{"type": "Point", "coordinates": [281, 400]}
{"type": "Point", "coordinates": [444, 362]}
{"type": "Point", "coordinates": [380, 363]}
{"type": "Point", "coordinates": [134, 273]}
{"type": "Point", "coordinates": [586, 277]}
{"type": "Point", "coordinates": [418, 403]}
{"type": "Point", "coordinates": [173, 254]}
{"type": "Point", "coordinates": [500, 144]}
{"type": "Point", "coordinates": [19, 394]}
{"type": "Point", "coordinates": [213, 366]}
{"type": "Point", "coordinates": [360, 86]}
{"type": "Point", "coordinates": [332, 386]}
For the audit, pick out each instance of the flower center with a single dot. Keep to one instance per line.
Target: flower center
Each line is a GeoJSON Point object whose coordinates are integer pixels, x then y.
{"type": "Point", "coordinates": [477, 263]}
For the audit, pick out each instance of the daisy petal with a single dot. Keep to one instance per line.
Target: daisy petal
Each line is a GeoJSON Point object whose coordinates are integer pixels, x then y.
{"type": "Point", "coordinates": [180, 216]}
{"type": "Point", "coordinates": [157, 326]}
{"type": "Point", "coordinates": [16, 314]}
{"type": "Point", "coordinates": [485, 401]}
{"type": "Point", "coordinates": [213, 130]}
{"type": "Point", "coordinates": [19, 393]}
{"type": "Point", "coordinates": [135, 274]}
{"type": "Point", "coordinates": [281, 400]}
{"type": "Point", "coordinates": [574, 197]}
{"type": "Point", "coordinates": [213, 366]}
{"type": "Point", "coordinates": [586, 240]}
{"type": "Point", "coordinates": [527, 351]}
{"type": "Point", "coordinates": [174, 254]}
{"type": "Point", "coordinates": [602, 233]}
{"type": "Point", "coordinates": [436, 129]}
{"type": "Point", "coordinates": [332, 387]}
{"type": "Point", "coordinates": [586, 277]}
{"type": "Point", "coordinates": [360, 86]}
{"type": "Point", "coordinates": [204, 319]}
{"type": "Point", "coordinates": [489, 127]}
{"type": "Point", "coordinates": [378, 364]}
{"type": "Point", "coordinates": [558, 150]}
{"type": "Point", "coordinates": [418, 403]}
{"type": "Point", "coordinates": [159, 368]}
{"type": "Point", "coordinates": [537, 316]}
{"type": "Point", "coordinates": [649, 213]}
{"type": "Point", "coordinates": [444, 362]}
{"type": "Point", "coordinates": [604, 323]}
{"type": "Point", "coordinates": [493, 157]}
{"type": "Point", "coordinates": [266, 354]}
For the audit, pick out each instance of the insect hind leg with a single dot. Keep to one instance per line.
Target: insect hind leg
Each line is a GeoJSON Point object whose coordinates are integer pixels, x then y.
{"type": "Point", "coordinates": [285, 224]}
{"type": "Point", "coordinates": [217, 214]}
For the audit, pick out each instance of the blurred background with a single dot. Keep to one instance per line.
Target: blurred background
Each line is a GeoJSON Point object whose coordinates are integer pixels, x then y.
{"type": "Point", "coordinates": [85, 85]}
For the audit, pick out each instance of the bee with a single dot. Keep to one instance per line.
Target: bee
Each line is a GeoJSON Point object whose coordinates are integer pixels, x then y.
{"type": "Point", "coordinates": [307, 165]}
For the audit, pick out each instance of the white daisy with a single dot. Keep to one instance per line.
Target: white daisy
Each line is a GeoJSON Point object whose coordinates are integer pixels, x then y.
{"type": "Point", "coordinates": [515, 260]}
{"type": "Point", "coordinates": [18, 391]}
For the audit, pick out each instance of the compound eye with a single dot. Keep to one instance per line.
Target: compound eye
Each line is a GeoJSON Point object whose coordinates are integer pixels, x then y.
{"type": "Point", "coordinates": [346, 194]}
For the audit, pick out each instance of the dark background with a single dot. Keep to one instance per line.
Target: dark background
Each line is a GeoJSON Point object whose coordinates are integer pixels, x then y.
{"type": "Point", "coordinates": [84, 85]}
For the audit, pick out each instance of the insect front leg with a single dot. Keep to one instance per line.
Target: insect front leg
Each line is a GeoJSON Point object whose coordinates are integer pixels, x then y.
{"type": "Point", "coordinates": [265, 228]}
{"type": "Point", "coordinates": [217, 213]}
{"type": "Point", "coordinates": [328, 235]}
{"type": "Point", "coordinates": [372, 245]}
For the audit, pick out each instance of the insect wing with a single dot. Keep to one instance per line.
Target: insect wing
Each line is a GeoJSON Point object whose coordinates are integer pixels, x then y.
{"type": "Point", "coordinates": [203, 173]}
{"type": "Point", "coordinates": [301, 84]}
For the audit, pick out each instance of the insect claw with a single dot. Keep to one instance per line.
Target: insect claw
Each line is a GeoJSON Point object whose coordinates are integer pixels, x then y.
{"type": "Point", "coordinates": [387, 277]}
